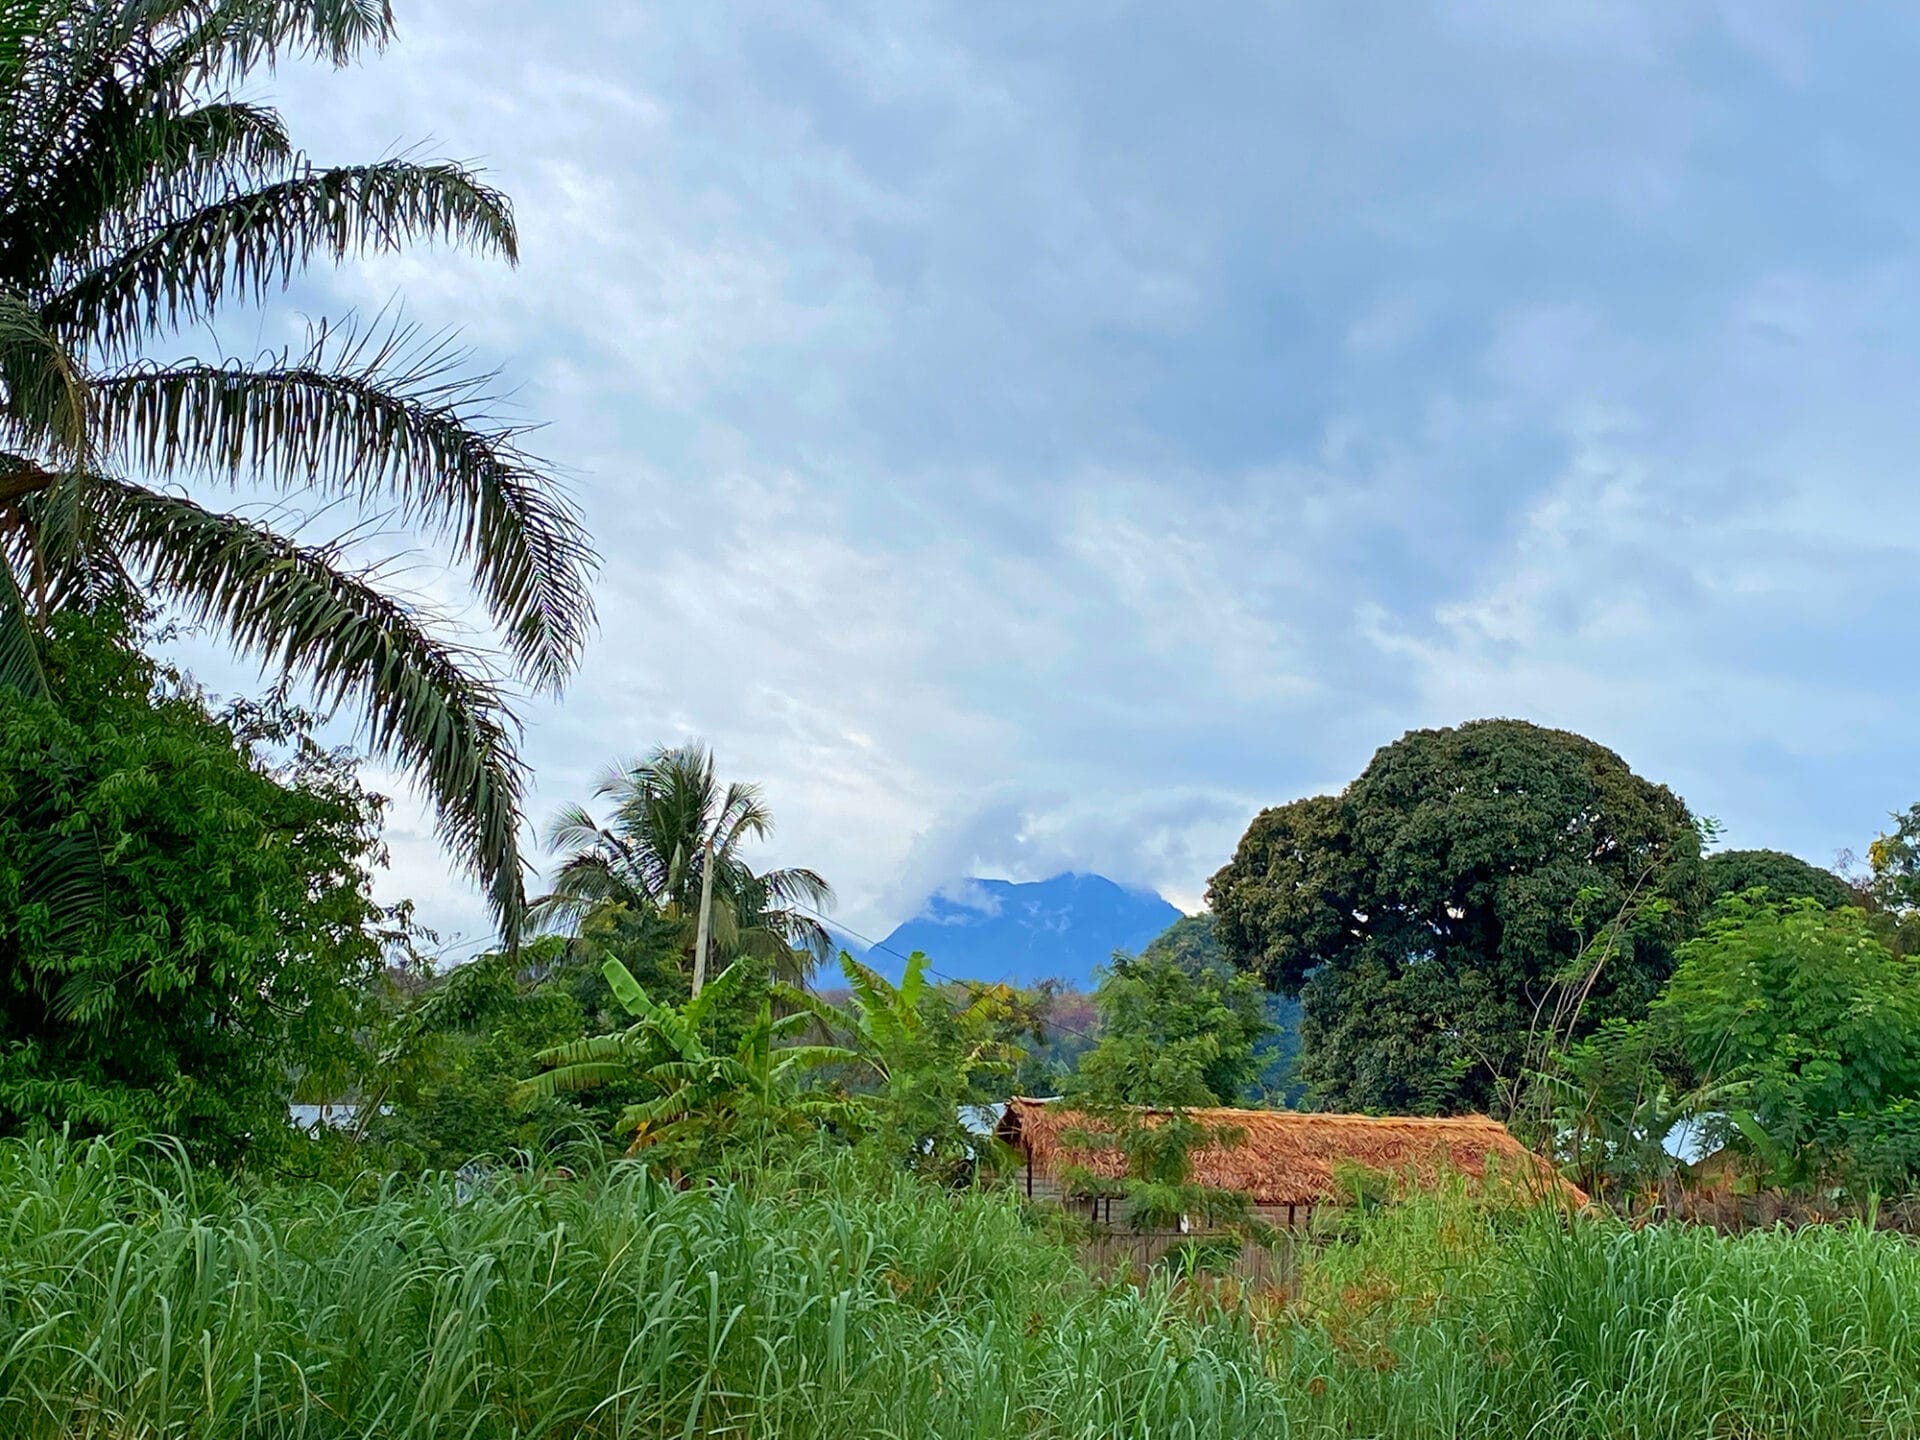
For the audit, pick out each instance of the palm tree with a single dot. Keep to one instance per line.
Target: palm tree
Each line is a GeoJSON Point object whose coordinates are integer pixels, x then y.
{"type": "Point", "coordinates": [138, 191]}
{"type": "Point", "coordinates": [648, 858]}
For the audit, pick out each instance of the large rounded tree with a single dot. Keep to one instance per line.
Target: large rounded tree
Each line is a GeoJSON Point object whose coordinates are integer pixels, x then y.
{"type": "Point", "coordinates": [1782, 876]}
{"type": "Point", "coordinates": [1439, 918]}
{"type": "Point", "coordinates": [141, 194]}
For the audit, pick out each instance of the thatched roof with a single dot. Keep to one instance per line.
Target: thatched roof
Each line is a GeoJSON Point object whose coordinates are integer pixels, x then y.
{"type": "Point", "coordinates": [1287, 1157]}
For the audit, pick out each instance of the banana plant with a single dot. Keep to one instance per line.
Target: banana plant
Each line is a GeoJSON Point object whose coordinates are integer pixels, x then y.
{"type": "Point", "coordinates": [689, 1088]}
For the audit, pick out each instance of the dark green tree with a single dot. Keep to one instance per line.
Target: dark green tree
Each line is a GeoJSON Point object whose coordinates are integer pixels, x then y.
{"type": "Point", "coordinates": [1436, 916]}
{"type": "Point", "coordinates": [1782, 876]}
{"type": "Point", "coordinates": [231, 938]}
{"type": "Point", "coordinates": [143, 193]}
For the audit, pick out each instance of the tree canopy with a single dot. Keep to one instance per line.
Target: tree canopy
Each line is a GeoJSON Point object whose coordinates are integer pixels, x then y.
{"type": "Point", "coordinates": [1177, 1027]}
{"type": "Point", "coordinates": [1810, 1013]}
{"type": "Point", "coordinates": [1434, 915]}
{"type": "Point", "coordinates": [230, 932]}
{"type": "Point", "coordinates": [644, 865]}
{"type": "Point", "coordinates": [1782, 876]}
{"type": "Point", "coordinates": [143, 193]}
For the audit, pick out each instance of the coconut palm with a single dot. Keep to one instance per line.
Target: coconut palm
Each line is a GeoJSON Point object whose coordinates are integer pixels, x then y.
{"type": "Point", "coordinates": [666, 812]}
{"type": "Point", "coordinates": [139, 193]}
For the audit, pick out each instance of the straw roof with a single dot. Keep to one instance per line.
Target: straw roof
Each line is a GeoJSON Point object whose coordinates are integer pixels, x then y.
{"type": "Point", "coordinates": [1288, 1157]}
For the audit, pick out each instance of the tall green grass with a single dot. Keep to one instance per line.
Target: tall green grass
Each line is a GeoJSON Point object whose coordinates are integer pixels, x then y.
{"type": "Point", "coordinates": [814, 1305]}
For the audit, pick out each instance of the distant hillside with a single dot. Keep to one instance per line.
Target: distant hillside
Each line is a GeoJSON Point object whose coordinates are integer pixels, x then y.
{"type": "Point", "coordinates": [1058, 929]}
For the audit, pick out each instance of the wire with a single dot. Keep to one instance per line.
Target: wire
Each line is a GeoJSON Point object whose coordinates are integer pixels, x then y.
{"type": "Point", "coordinates": [975, 985]}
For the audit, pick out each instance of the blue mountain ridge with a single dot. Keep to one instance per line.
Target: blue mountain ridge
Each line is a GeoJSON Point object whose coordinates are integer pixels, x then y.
{"type": "Point", "coordinates": [1058, 929]}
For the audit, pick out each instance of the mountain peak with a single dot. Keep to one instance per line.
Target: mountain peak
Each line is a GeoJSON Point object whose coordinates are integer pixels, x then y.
{"type": "Point", "coordinates": [1060, 928]}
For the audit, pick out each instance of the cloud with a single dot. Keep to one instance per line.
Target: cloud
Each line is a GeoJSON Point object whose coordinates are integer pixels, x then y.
{"type": "Point", "coordinates": [1033, 440]}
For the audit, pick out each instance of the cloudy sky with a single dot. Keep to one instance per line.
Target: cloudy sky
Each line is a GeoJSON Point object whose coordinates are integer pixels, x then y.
{"type": "Point", "coordinates": [1037, 436]}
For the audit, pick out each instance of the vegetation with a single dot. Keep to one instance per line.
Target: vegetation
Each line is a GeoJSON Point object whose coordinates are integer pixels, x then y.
{"type": "Point", "coordinates": [1816, 1023]}
{"type": "Point", "coordinates": [141, 192]}
{"type": "Point", "coordinates": [670, 813]}
{"type": "Point", "coordinates": [230, 936]}
{"type": "Point", "coordinates": [1782, 876]}
{"type": "Point", "coordinates": [1192, 943]}
{"type": "Point", "coordinates": [1175, 1029]}
{"type": "Point", "coordinates": [810, 1303]}
{"type": "Point", "coordinates": [805, 1236]}
{"type": "Point", "coordinates": [1429, 915]}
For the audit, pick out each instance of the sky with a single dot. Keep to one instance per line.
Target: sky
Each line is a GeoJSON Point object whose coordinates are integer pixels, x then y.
{"type": "Point", "coordinates": [1036, 437]}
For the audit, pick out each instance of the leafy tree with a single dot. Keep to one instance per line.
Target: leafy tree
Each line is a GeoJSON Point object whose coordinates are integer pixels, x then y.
{"type": "Point", "coordinates": [1892, 888]}
{"type": "Point", "coordinates": [232, 935]}
{"type": "Point", "coordinates": [140, 190]}
{"type": "Point", "coordinates": [648, 859]}
{"type": "Point", "coordinates": [1192, 942]}
{"type": "Point", "coordinates": [1176, 1029]}
{"type": "Point", "coordinates": [917, 1053]}
{"type": "Point", "coordinates": [1810, 1013]}
{"type": "Point", "coordinates": [1434, 917]}
{"type": "Point", "coordinates": [446, 1062]}
{"type": "Point", "coordinates": [1782, 876]}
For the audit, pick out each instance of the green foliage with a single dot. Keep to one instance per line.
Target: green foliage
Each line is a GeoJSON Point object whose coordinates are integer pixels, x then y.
{"type": "Point", "coordinates": [447, 1060]}
{"type": "Point", "coordinates": [809, 1304]}
{"type": "Point", "coordinates": [1435, 916]}
{"type": "Point", "coordinates": [643, 869]}
{"type": "Point", "coordinates": [146, 192]}
{"type": "Point", "coordinates": [1810, 1013]}
{"type": "Point", "coordinates": [1177, 1028]}
{"type": "Point", "coordinates": [694, 1100]}
{"type": "Point", "coordinates": [1192, 940]}
{"type": "Point", "coordinates": [1893, 883]}
{"type": "Point", "coordinates": [1606, 1105]}
{"type": "Point", "coordinates": [1782, 876]}
{"type": "Point", "coordinates": [920, 1053]}
{"type": "Point", "coordinates": [232, 939]}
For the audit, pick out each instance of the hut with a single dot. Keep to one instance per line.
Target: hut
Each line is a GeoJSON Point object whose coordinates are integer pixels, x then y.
{"type": "Point", "coordinates": [1283, 1161]}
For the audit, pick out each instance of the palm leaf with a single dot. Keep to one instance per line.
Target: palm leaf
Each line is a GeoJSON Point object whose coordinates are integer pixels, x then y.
{"type": "Point", "coordinates": [424, 702]}
{"type": "Point", "coordinates": [366, 421]}
{"type": "Point", "coordinates": [47, 396]}
{"type": "Point", "coordinates": [253, 243]}
{"type": "Point", "coordinates": [20, 667]}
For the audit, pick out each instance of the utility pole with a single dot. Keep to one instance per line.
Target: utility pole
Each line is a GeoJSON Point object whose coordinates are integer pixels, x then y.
{"type": "Point", "coordinates": [706, 918]}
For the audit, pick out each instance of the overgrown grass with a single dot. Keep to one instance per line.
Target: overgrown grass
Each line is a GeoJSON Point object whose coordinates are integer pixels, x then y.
{"type": "Point", "coordinates": [613, 1305]}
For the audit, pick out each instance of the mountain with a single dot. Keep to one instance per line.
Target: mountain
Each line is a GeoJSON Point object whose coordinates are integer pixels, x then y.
{"type": "Point", "coordinates": [1058, 929]}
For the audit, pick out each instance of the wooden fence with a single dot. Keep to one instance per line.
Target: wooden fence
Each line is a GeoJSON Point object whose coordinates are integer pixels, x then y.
{"type": "Point", "coordinates": [1119, 1254]}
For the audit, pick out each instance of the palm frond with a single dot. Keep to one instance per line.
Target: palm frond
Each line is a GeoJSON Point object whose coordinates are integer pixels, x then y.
{"type": "Point", "coordinates": [574, 831]}
{"type": "Point", "coordinates": [233, 36]}
{"type": "Point", "coordinates": [424, 702]}
{"type": "Point", "coordinates": [20, 667]}
{"type": "Point", "coordinates": [46, 395]}
{"type": "Point", "coordinates": [368, 420]}
{"type": "Point", "coordinates": [252, 243]}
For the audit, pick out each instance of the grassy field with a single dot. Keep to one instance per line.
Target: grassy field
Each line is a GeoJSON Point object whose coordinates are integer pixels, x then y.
{"type": "Point", "coordinates": [615, 1306]}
